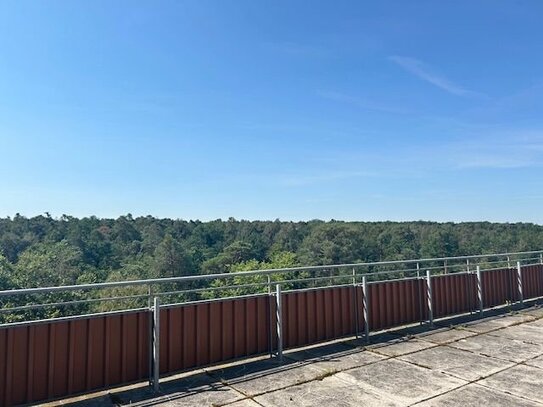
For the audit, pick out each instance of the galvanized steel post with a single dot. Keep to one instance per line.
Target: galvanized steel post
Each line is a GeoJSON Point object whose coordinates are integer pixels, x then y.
{"type": "Point", "coordinates": [418, 270]}
{"type": "Point", "coordinates": [519, 283]}
{"type": "Point", "coordinates": [279, 322]}
{"type": "Point", "coordinates": [429, 296]}
{"type": "Point", "coordinates": [540, 258]}
{"type": "Point", "coordinates": [355, 300]}
{"type": "Point", "coordinates": [156, 343]}
{"type": "Point", "coordinates": [365, 308]}
{"type": "Point", "coordinates": [479, 290]}
{"type": "Point", "coordinates": [467, 265]}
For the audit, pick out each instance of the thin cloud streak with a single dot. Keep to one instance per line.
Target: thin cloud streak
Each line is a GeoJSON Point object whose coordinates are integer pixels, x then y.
{"type": "Point", "coordinates": [418, 68]}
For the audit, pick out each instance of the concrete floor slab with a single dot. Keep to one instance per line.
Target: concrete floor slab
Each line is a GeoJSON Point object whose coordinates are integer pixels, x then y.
{"type": "Point", "coordinates": [446, 336]}
{"type": "Point", "coordinates": [402, 347]}
{"type": "Point", "coordinates": [330, 391]}
{"type": "Point", "coordinates": [401, 381]}
{"type": "Point", "coordinates": [537, 362]}
{"type": "Point", "coordinates": [493, 323]}
{"type": "Point", "coordinates": [455, 362]}
{"type": "Point", "coordinates": [536, 311]}
{"type": "Point", "coordinates": [244, 403]}
{"type": "Point", "coordinates": [499, 347]}
{"type": "Point", "coordinates": [474, 395]}
{"type": "Point", "coordinates": [336, 358]}
{"type": "Point", "coordinates": [266, 375]}
{"type": "Point", "coordinates": [523, 381]}
{"type": "Point", "coordinates": [524, 332]}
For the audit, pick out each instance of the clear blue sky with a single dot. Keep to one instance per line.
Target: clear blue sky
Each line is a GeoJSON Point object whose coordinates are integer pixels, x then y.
{"type": "Point", "coordinates": [390, 110]}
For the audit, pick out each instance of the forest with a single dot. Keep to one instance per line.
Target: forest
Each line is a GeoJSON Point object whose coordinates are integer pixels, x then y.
{"type": "Point", "coordinates": [45, 251]}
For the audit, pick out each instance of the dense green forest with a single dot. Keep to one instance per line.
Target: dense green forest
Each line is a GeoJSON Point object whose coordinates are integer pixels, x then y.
{"type": "Point", "coordinates": [44, 251]}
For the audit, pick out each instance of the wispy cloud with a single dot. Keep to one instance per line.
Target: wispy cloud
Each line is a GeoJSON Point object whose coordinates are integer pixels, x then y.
{"type": "Point", "coordinates": [420, 70]}
{"type": "Point", "coordinates": [360, 102]}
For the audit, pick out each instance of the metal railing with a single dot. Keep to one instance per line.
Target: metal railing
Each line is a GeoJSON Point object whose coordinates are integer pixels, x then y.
{"type": "Point", "coordinates": [31, 304]}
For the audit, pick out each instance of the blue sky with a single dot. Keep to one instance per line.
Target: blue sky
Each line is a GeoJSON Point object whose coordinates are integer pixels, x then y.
{"type": "Point", "coordinates": [388, 110]}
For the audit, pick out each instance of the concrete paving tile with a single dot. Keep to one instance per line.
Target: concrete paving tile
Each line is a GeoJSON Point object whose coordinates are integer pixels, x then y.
{"type": "Point", "coordinates": [487, 325]}
{"type": "Point", "coordinates": [474, 395]}
{"type": "Point", "coordinates": [446, 336]}
{"type": "Point", "coordinates": [537, 322]}
{"type": "Point", "coordinates": [499, 347]}
{"type": "Point", "coordinates": [536, 312]}
{"type": "Point", "coordinates": [266, 375]}
{"type": "Point", "coordinates": [455, 362]}
{"type": "Point", "coordinates": [336, 358]}
{"type": "Point", "coordinates": [537, 362]}
{"type": "Point", "coordinates": [401, 381]}
{"type": "Point", "coordinates": [402, 347]}
{"type": "Point", "coordinates": [521, 380]}
{"type": "Point", "coordinates": [244, 403]}
{"type": "Point", "coordinates": [330, 391]}
{"type": "Point", "coordinates": [524, 332]}
{"type": "Point", "coordinates": [178, 394]}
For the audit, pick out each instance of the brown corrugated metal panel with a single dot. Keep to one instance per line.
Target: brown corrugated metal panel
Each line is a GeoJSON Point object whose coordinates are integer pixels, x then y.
{"type": "Point", "coordinates": [58, 359]}
{"type": "Point", "coordinates": [532, 281]}
{"type": "Point", "coordinates": [393, 303]}
{"type": "Point", "coordinates": [312, 316]}
{"type": "Point", "coordinates": [454, 294]}
{"type": "Point", "coordinates": [499, 287]}
{"type": "Point", "coordinates": [200, 334]}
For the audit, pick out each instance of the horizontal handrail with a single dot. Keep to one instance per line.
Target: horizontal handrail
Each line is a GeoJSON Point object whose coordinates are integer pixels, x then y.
{"type": "Point", "coordinates": [202, 277]}
{"type": "Point", "coordinates": [193, 293]}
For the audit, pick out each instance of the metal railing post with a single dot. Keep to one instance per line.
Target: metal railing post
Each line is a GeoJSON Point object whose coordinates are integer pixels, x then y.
{"type": "Point", "coordinates": [541, 258]}
{"type": "Point", "coordinates": [429, 296]}
{"type": "Point", "coordinates": [156, 344]}
{"type": "Point", "coordinates": [365, 309]}
{"type": "Point", "coordinates": [418, 269]}
{"type": "Point", "coordinates": [508, 262]}
{"type": "Point", "coordinates": [279, 318]}
{"type": "Point", "coordinates": [355, 300]}
{"type": "Point", "coordinates": [479, 290]}
{"type": "Point", "coordinates": [467, 265]}
{"type": "Point", "coordinates": [519, 283]}
{"type": "Point", "coordinates": [269, 284]}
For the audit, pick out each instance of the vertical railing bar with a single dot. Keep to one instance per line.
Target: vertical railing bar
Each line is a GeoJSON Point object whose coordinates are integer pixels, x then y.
{"type": "Point", "coordinates": [150, 333]}
{"type": "Point", "coordinates": [156, 344]}
{"type": "Point", "coordinates": [355, 301]}
{"type": "Point", "coordinates": [279, 318]}
{"type": "Point", "coordinates": [467, 265]}
{"type": "Point", "coordinates": [365, 309]}
{"type": "Point", "coordinates": [519, 283]}
{"type": "Point", "coordinates": [429, 297]}
{"type": "Point", "coordinates": [480, 290]}
{"type": "Point", "coordinates": [270, 297]}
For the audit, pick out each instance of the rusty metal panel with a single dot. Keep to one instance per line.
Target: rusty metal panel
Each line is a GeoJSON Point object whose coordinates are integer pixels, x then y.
{"type": "Point", "coordinates": [58, 359]}
{"type": "Point", "coordinates": [200, 334]}
{"type": "Point", "coordinates": [532, 281]}
{"type": "Point", "coordinates": [499, 286]}
{"type": "Point", "coordinates": [454, 294]}
{"type": "Point", "coordinates": [311, 316]}
{"type": "Point", "coordinates": [394, 303]}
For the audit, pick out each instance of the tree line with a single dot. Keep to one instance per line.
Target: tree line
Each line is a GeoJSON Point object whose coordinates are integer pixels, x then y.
{"type": "Point", "coordinates": [46, 251]}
